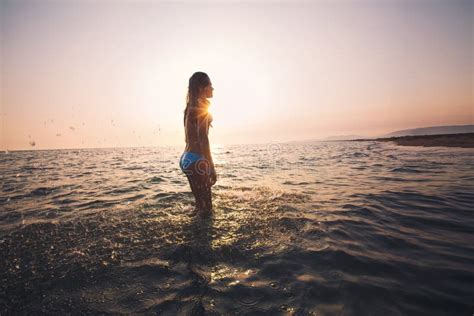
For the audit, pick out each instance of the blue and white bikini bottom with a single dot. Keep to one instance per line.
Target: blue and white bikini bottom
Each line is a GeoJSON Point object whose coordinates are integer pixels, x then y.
{"type": "Point", "coordinates": [187, 158]}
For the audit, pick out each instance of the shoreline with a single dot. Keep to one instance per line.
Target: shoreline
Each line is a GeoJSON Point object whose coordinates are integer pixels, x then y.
{"type": "Point", "coordinates": [464, 140]}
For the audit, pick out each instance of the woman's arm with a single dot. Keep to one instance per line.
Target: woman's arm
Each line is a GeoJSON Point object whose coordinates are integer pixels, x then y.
{"type": "Point", "coordinates": [203, 131]}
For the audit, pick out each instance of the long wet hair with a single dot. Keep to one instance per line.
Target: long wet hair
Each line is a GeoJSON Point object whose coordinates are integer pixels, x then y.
{"type": "Point", "coordinates": [198, 81]}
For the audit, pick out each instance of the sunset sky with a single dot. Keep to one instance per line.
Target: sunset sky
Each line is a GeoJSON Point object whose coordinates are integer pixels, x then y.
{"type": "Point", "coordinates": [114, 73]}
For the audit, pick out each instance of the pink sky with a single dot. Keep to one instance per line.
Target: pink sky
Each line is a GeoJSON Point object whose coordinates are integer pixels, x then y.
{"type": "Point", "coordinates": [103, 74]}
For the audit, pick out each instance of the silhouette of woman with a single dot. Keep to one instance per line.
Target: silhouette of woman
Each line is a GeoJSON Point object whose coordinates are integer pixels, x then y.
{"type": "Point", "coordinates": [196, 160]}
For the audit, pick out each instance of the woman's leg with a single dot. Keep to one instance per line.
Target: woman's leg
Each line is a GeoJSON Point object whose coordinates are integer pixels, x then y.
{"type": "Point", "coordinates": [207, 197]}
{"type": "Point", "coordinates": [200, 185]}
{"type": "Point", "coordinates": [193, 183]}
{"type": "Point", "coordinates": [203, 168]}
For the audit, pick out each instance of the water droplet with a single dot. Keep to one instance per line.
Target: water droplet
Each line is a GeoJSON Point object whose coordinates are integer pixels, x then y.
{"type": "Point", "coordinates": [233, 283]}
{"type": "Point", "coordinates": [286, 308]}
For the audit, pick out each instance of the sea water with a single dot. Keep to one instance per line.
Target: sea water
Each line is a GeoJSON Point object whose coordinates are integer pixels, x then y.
{"type": "Point", "coordinates": [322, 228]}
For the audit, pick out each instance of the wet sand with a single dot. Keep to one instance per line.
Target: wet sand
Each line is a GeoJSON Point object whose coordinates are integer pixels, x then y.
{"type": "Point", "coordinates": [446, 140]}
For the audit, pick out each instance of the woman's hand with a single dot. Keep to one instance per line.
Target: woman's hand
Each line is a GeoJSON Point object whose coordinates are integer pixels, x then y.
{"type": "Point", "coordinates": [213, 177]}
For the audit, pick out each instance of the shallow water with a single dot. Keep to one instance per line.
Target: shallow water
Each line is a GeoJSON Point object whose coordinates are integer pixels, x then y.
{"type": "Point", "coordinates": [341, 228]}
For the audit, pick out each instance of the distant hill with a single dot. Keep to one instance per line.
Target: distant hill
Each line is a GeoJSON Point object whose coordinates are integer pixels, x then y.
{"type": "Point", "coordinates": [327, 139]}
{"type": "Point", "coordinates": [464, 140]}
{"type": "Point", "coordinates": [343, 137]}
{"type": "Point", "coordinates": [434, 130]}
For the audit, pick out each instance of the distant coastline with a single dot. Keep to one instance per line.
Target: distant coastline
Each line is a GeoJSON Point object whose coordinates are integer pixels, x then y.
{"type": "Point", "coordinates": [464, 140]}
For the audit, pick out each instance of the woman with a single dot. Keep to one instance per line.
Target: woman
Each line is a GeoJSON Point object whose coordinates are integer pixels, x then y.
{"type": "Point", "coordinates": [196, 161]}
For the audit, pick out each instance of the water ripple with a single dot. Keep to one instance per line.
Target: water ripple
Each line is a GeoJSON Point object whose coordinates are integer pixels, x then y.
{"type": "Point", "coordinates": [343, 228]}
